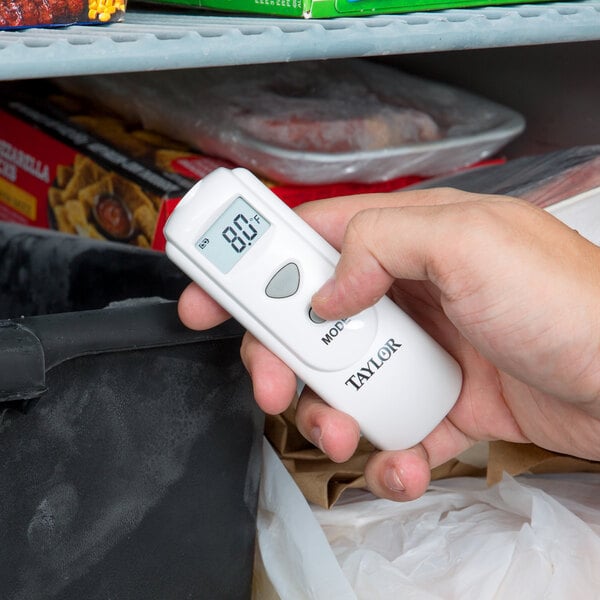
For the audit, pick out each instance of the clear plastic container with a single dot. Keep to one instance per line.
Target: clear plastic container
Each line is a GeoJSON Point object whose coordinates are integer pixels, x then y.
{"type": "Point", "coordinates": [313, 122]}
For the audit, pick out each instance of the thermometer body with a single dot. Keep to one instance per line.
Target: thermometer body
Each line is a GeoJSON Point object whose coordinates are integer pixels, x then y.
{"type": "Point", "coordinates": [262, 263]}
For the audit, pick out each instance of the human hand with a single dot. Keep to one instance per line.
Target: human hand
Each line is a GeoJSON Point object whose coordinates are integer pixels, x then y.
{"type": "Point", "coordinates": [506, 288]}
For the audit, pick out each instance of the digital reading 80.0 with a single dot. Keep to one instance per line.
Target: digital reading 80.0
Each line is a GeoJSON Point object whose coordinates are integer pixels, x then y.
{"type": "Point", "coordinates": [232, 235]}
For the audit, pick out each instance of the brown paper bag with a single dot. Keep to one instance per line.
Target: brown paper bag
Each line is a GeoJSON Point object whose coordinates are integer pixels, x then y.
{"type": "Point", "coordinates": [516, 459]}
{"type": "Point", "coordinates": [323, 482]}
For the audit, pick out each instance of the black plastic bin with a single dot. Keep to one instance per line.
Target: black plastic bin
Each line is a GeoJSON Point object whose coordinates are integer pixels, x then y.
{"type": "Point", "coordinates": [130, 445]}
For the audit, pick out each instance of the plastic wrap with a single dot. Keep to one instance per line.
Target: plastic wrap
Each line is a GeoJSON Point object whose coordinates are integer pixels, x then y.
{"type": "Point", "coordinates": [543, 179]}
{"type": "Point", "coordinates": [313, 122]}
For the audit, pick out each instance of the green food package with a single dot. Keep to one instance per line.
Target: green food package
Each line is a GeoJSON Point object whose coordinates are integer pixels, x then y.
{"type": "Point", "coordinates": [321, 9]}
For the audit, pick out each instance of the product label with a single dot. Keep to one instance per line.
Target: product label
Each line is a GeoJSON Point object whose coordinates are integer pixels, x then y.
{"type": "Point", "coordinates": [16, 157]}
{"type": "Point", "coordinates": [56, 174]}
{"type": "Point", "coordinates": [334, 331]}
{"type": "Point", "coordinates": [160, 183]}
{"type": "Point", "coordinates": [8, 170]}
{"type": "Point", "coordinates": [28, 165]}
{"type": "Point", "coordinates": [17, 199]}
{"type": "Point", "coordinates": [358, 379]}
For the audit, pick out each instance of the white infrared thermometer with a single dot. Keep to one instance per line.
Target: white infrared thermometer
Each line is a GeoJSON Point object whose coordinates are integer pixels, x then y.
{"type": "Point", "coordinates": [262, 263]}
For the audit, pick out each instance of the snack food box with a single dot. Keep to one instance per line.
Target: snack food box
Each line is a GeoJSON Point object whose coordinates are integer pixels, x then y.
{"type": "Point", "coordinates": [16, 14]}
{"type": "Point", "coordinates": [56, 173]}
{"type": "Point", "coordinates": [68, 167]}
{"type": "Point", "coordinates": [322, 9]}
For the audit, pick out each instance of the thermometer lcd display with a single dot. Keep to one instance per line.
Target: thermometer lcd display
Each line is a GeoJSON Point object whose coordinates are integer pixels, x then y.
{"type": "Point", "coordinates": [233, 233]}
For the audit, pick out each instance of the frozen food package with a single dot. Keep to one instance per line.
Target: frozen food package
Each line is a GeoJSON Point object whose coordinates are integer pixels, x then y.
{"type": "Point", "coordinates": [312, 122]}
{"type": "Point", "coordinates": [543, 179]}
{"type": "Point", "coordinates": [19, 14]}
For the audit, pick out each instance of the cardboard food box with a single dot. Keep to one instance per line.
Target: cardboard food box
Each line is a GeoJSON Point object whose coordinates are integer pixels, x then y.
{"type": "Point", "coordinates": [16, 14]}
{"type": "Point", "coordinates": [322, 9]}
{"type": "Point", "coordinates": [68, 166]}
{"type": "Point", "coordinates": [65, 169]}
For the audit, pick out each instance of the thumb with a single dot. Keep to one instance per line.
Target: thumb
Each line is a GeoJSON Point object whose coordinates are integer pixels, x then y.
{"type": "Point", "coordinates": [374, 252]}
{"type": "Point", "coordinates": [384, 244]}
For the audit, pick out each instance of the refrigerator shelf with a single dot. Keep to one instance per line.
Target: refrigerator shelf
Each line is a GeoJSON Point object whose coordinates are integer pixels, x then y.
{"type": "Point", "coordinates": [153, 40]}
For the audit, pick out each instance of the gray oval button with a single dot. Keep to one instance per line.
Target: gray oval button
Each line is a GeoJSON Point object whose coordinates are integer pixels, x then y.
{"type": "Point", "coordinates": [285, 282]}
{"type": "Point", "coordinates": [314, 317]}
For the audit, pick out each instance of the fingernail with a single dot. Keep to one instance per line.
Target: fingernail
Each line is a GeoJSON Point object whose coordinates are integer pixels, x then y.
{"type": "Point", "coordinates": [317, 438]}
{"type": "Point", "coordinates": [392, 481]}
{"type": "Point", "coordinates": [326, 290]}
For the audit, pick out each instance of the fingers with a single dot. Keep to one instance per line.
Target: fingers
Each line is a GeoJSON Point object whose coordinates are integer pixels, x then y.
{"type": "Point", "coordinates": [273, 382]}
{"type": "Point", "coordinates": [383, 244]}
{"type": "Point", "coordinates": [405, 475]}
{"type": "Point", "coordinates": [401, 476]}
{"type": "Point", "coordinates": [335, 433]}
{"type": "Point", "coordinates": [361, 278]}
{"type": "Point", "coordinates": [197, 310]}
{"type": "Point", "coordinates": [417, 235]}
{"type": "Point", "coordinates": [331, 217]}
{"type": "Point", "coordinates": [398, 476]}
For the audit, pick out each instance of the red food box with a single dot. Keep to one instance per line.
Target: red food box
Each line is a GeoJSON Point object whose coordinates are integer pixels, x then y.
{"type": "Point", "coordinates": [67, 166]}
{"type": "Point", "coordinates": [16, 14]}
{"type": "Point", "coordinates": [82, 173]}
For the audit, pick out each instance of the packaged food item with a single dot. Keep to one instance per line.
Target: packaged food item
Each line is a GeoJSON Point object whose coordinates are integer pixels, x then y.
{"type": "Point", "coordinates": [56, 172]}
{"type": "Point", "coordinates": [320, 9]}
{"type": "Point", "coordinates": [543, 179]}
{"type": "Point", "coordinates": [15, 14]}
{"type": "Point", "coordinates": [68, 166]}
{"type": "Point", "coordinates": [314, 122]}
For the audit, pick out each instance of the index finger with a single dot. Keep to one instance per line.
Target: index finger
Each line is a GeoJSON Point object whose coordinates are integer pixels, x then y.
{"type": "Point", "coordinates": [331, 217]}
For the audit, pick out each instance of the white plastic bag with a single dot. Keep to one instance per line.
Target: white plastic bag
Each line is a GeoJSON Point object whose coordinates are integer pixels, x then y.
{"type": "Point", "coordinates": [295, 553]}
{"type": "Point", "coordinates": [530, 537]}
